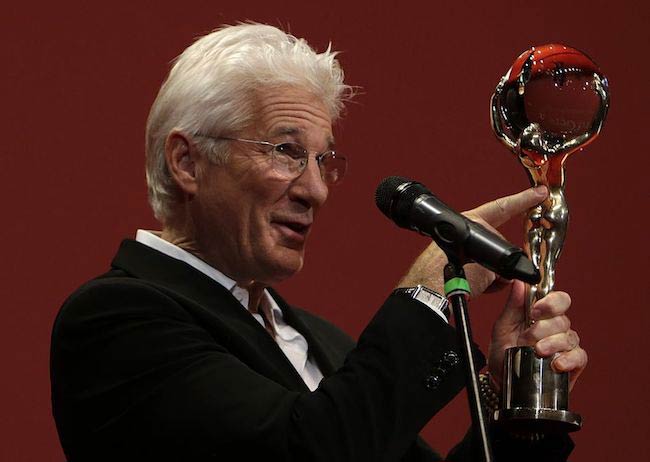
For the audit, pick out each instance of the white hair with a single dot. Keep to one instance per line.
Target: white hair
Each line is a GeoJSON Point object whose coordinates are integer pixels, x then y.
{"type": "Point", "coordinates": [210, 89]}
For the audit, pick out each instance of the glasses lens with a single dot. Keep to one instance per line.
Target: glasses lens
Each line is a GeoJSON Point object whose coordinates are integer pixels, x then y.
{"type": "Point", "coordinates": [332, 167]}
{"type": "Point", "coordinates": [289, 158]}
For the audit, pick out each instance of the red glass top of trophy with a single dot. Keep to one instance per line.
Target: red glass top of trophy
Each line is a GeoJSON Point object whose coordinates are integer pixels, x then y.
{"type": "Point", "coordinates": [551, 103]}
{"type": "Point", "coordinates": [553, 86]}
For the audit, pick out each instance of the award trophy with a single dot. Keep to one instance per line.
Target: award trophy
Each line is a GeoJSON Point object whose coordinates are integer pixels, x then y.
{"type": "Point", "coordinates": [551, 103]}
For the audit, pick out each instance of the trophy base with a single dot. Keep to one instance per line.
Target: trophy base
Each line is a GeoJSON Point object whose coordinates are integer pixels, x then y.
{"type": "Point", "coordinates": [535, 397]}
{"type": "Point", "coordinates": [530, 420]}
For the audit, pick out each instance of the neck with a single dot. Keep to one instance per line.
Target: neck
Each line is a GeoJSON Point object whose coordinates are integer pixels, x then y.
{"type": "Point", "coordinates": [179, 230]}
{"type": "Point", "coordinates": [184, 238]}
{"type": "Point", "coordinates": [255, 292]}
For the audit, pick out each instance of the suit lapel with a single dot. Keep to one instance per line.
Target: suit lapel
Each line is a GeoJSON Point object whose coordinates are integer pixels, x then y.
{"type": "Point", "coordinates": [325, 360]}
{"type": "Point", "coordinates": [214, 307]}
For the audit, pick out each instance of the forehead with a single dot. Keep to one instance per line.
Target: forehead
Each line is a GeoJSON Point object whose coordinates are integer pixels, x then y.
{"type": "Point", "coordinates": [292, 111]}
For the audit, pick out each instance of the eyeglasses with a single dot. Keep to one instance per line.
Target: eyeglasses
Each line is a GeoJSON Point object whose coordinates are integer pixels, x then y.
{"type": "Point", "coordinates": [290, 159]}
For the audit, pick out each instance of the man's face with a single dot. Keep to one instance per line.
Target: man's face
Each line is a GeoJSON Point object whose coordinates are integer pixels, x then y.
{"type": "Point", "coordinates": [251, 222]}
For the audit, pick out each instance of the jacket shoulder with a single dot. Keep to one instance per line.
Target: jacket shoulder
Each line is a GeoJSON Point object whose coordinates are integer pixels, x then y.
{"type": "Point", "coordinates": [117, 291]}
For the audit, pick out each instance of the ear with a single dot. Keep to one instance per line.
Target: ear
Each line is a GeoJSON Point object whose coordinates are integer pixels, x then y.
{"type": "Point", "coordinates": [181, 158]}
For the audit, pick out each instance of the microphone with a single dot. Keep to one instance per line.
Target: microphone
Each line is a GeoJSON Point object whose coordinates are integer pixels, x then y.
{"type": "Point", "coordinates": [412, 206]}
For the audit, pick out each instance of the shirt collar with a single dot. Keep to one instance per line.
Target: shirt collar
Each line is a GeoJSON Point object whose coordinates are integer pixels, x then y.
{"type": "Point", "coordinates": [152, 239]}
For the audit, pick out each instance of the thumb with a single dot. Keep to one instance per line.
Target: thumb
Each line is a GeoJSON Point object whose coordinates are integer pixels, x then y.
{"type": "Point", "coordinates": [501, 210]}
{"type": "Point", "coordinates": [506, 329]}
{"type": "Point", "coordinates": [513, 315]}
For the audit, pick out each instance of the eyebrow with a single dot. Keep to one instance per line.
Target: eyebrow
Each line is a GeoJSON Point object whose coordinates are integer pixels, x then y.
{"type": "Point", "coordinates": [295, 131]}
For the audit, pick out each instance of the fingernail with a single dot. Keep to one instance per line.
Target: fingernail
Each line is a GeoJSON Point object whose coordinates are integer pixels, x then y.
{"type": "Point", "coordinates": [542, 346]}
{"type": "Point", "coordinates": [560, 363]}
{"type": "Point", "coordinates": [535, 314]}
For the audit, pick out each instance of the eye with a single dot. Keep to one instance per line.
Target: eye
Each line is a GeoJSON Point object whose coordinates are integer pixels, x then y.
{"type": "Point", "coordinates": [292, 150]}
{"type": "Point", "coordinates": [333, 167]}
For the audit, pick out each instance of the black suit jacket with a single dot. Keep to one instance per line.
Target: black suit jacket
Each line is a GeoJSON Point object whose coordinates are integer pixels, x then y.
{"type": "Point", "coordinates": [156, 361]}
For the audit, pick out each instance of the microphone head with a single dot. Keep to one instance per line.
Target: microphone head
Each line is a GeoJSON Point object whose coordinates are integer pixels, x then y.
{"type": "Point", "coordinates": [525, 271]}
{"type": "Point", "coordinates": [386, 193]}
{"type": "Point", "coordinates": [395, 196]}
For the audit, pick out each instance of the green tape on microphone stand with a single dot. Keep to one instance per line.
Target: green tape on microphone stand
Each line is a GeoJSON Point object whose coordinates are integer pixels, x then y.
{"type": "Point", "coordinates": [457, 285]}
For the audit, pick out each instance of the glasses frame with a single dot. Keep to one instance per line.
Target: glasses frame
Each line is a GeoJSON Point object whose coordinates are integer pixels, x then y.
{"type": "Point", "coordinates": [273, 147]}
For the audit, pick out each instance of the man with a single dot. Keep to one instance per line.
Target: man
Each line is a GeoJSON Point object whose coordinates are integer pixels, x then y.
{"type": "Point", "coordinates": [183, 352]}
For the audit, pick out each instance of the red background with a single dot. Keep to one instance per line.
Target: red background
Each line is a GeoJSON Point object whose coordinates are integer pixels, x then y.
{"type": "Point", "coordinates": [77, 83]}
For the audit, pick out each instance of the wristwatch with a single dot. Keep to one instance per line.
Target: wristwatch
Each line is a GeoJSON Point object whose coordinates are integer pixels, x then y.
{"type": "Point", "coordinates": [424, 295]}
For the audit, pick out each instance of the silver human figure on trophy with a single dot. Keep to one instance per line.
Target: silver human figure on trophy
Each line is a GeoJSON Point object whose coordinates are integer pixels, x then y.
{"type": "Point", "coordinates": [551, 103]}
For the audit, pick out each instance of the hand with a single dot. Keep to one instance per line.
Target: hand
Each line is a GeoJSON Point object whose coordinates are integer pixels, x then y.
{"type": "Point", "coordinates": [550, 334]}
{"type": "Point", "coordinates": [427, 268]}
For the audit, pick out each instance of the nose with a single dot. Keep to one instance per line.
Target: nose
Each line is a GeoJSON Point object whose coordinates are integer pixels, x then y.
{"type": "Point", "coordinates": [309, 188]}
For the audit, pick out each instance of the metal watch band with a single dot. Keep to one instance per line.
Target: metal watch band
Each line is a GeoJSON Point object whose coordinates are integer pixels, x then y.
{"type": "Point", "coordinates": [430, 298]}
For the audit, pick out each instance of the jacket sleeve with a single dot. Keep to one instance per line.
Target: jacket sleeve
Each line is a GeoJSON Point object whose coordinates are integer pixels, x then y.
{"type": "Point", "coordinates": [134, 376]}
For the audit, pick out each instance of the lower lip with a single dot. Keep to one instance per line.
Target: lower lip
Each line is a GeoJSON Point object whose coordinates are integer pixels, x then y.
{"type": "Point", "coordinates": [290, 234]}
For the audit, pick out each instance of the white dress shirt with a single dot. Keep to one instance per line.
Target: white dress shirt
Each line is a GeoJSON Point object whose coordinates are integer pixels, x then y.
{"type": "Point", "coordinates": [290, 341]}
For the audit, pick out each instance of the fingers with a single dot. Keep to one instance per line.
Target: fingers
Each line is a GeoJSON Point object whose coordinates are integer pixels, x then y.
{"type": "Point", "coordinates": [424, 270]}
{"type": "Point", "coordinates": [551, 332]}
{"type": "Point", "coordinates": [550, 335]}
{"type": "Point", "coordinates": [544, 329]}
{"type": "Point", "coordinates": [501, 210]}
{"type": "Point", "coordinates": [569, 361]}
{"type": "Point", "coordinates": [573, 361]}
{"type": "Point", "coordinates": [565, 341]}
{"type": "Point", "coordinates": [554, 304]}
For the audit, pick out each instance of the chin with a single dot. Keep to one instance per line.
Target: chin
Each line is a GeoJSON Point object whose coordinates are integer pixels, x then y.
{"type": "Point", "coordinates": [285, 266]}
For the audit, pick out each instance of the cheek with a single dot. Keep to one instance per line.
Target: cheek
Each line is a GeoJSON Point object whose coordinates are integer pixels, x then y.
{"type": "Point", "coordinates": [223, 217]}
{"type": "Point", "coordinates": [253, 218]}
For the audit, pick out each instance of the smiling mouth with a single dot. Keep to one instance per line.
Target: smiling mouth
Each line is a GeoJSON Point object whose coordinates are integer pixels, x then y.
{"type": "Point", "coordinates": [293, 231]}
{"type": "Point", "coordinates": [297, 227]}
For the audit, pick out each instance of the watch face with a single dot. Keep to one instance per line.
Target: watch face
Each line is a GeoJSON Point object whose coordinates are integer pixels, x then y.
{"type": "Point", "coordinates": [424, 295]}
{"type": "Point", "coordinates": [430, 299]}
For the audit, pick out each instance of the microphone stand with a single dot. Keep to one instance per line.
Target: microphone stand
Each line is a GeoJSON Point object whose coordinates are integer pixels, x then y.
{"type": "Point", "coordinates": [457, 292]}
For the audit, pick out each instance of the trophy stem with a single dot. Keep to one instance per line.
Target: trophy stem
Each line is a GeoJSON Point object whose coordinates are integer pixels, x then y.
{"type": "Point", "coordinates": [535, 397]}
{"type": "Point", "coordinates": [545, 230]}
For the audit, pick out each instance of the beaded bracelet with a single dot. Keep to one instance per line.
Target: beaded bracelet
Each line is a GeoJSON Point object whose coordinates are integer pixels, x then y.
{"type": "Point", "coordinates": [491, 400]}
